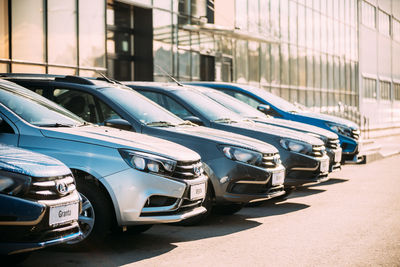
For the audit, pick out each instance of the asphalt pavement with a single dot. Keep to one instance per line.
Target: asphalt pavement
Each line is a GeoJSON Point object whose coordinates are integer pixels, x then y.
{"type": "Point", "coordinates": [351, 220]}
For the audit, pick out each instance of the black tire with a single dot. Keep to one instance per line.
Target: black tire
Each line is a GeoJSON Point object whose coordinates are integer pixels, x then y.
{"type": "Point", "coordinates": [207, 203]}
{"type": "Point", "coordinates": [228, 209]}
{"type": "Point", "coordinates": [96, 217]}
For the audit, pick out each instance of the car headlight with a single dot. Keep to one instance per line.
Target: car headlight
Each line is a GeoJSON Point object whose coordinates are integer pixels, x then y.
{"type": "Point", "coordinates": [296, 146]}
{"type": "Point", "coordinates": [14, 184]}
{"type": "Point", "coordinates": [242, 155]}
{"type": "Point", "coordinates": [148, 162]}
{"type": "Point", "coordinates": [340, 129]}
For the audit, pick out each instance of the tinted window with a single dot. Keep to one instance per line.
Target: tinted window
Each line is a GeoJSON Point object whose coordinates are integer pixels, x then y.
{"type": "Point", "coordinates": [35, 109]}
{"type": "Point", "coordinates": [138, 106]}
{"type": "Point", "coordinates": [206, 106]}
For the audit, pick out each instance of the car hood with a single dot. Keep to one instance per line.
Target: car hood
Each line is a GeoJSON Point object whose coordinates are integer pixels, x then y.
{"type": "Point", "coordinates": [330, 119]}
{"type": "Point", "coordinates": [227, 138]}
{"type": "Point", "coordinates": [115, 138]}
{"type": "Point", "coordinates": [303, 127]}
{"type": "Point", "coordinates": [280, 132]}
{"type": "Point", "coordinates": [17, 160]}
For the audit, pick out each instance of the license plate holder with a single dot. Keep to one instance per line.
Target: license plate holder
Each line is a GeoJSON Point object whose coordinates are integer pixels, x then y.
{"type": "Point", "coordinates": [197, 191]}
{"type": "Point", "coordinates": [278, 178]}
{"type": "Point", "coordinates": [338, 156]}
{"type": "Point", "coordinates": [324, 166]}
{"type": "Point", "coordinates": [63, 214]}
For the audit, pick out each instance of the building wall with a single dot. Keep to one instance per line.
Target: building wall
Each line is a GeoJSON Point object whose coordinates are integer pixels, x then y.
{"type": "Point", "coordinates": [379, 46]}
{"type": "Point", "coordinates": [328, 55]}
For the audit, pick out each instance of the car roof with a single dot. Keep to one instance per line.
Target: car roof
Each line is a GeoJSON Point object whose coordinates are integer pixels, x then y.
{"type": "Point", "coordinates": [98, 82]}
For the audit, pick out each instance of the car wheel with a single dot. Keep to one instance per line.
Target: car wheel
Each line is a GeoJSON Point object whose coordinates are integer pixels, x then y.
{"type": "Point", "coordinates": [228, 209]}
{"type": "Point", "coordinates": [207, 203]}
{"type": "Point", "coordinates": [95, 217]}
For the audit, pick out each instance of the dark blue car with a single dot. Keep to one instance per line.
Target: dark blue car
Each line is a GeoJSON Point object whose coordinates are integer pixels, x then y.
{"type": "Point", "coordinates": [39, 204]}
{"type": "Point", "coordinates": [349, 132]}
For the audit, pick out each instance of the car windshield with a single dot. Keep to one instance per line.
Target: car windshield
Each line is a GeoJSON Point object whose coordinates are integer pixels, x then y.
{"type": "Point", "coordinates": [36, 109]}
{"type": "Point", "coordinates": [235, 105]}
{"type": "Point", "coordinates": [141, 107]}
{"type": "Point", "coordinates": [209, 108]}
{"type": "Point", "coordinates": [274, 100]}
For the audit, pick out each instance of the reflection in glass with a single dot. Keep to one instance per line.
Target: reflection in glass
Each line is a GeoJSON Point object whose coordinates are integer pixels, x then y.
{"type": "Point", "coordinates": [92, 33]}
{"type": "Point", "coordinates": [253, 15]}
{"type": "Point", "coordinates": [302, 67]}
{"type": "Point", "coordinates": [184, 63]}
{"type": "Point", "coordinates": [284, 19]}
{"type": "Point", "coordinates": [293, 22]}
{"type": "Point", "coordinates": [3, 67]}
{"type": "Point", "coordinates": [241, 14]}
{"type": "Point", "coordinates": [62, 71]}
{"type": "Point", "coordinates": [293, 67]}
{"type": "Point", "coordinates": [62, 36]}
{"type": "Point", "coordinates": [4, 29]}
{"type": "Point", "coordinates": [27, 21]}
{"type": "Point", "coordinates": [284, 52]}
{"type": "Point", "coordinates": [195, 66]}
{"type": "Point", "coordinates": [162, 57]}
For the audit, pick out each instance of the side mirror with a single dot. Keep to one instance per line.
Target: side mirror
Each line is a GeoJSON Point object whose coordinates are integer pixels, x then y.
{"type": "Point", "coordinates": [119, 124]}
{"type": "Point", "coordinates": [194, 119]}
{"type": "Point", "coordinates": [264, 108]}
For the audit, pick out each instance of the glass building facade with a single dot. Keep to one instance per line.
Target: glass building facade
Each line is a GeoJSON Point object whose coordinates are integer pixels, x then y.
{"type": "Point", "coordinates": [316, 53]}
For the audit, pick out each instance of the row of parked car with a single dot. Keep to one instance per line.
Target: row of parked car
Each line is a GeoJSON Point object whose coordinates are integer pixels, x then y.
{"type": "Point", "coordinates": [141, 153]}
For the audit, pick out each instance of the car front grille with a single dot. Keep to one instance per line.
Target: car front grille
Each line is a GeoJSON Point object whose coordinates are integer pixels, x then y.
{"type": "Point", "coordinates": [317, 151]}
{"type": "Point", "coordinates": [355, 134]}
{"type": "Point", "coordinates": [270, 160]}
{"type": "Point", "coordinates": [188, 170]}
{"type": "Point", "coordinates": [333, 143]}
{"type": "Point", "coordinates": [51, 188]}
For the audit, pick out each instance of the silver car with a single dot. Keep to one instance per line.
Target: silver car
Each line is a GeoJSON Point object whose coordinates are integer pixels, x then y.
{"type": "Point", "coordinates": [124, 178]}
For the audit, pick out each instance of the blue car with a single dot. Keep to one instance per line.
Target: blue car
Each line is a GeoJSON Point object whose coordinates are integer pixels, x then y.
{"type": "Point", "coordinates": [270, 104]}
{"type": "Point", "coordinates": [39, 202]}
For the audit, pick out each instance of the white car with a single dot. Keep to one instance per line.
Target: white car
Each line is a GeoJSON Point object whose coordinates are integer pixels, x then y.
{"type": "Point", "coordinates": [124, 178]}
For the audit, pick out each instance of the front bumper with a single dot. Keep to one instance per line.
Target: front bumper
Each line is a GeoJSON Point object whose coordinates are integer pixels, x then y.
{"type": "Point", "coordinates": [145, 198]}
{"type": "Point", "coordinates": [335, 158]}
{"type": "Point", "coordinates": [238, 182]}
{"type": "Point", "coordinates": [22, 235]}
{"type": "Point", "coordinates": [305, 170]}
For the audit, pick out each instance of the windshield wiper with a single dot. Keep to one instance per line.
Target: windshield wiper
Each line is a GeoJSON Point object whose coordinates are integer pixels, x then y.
{"type": "Point", "coordinates": [160, 124]}
{"type": "Point", "coordinates": [224, 120]}
{"type": "Point", "coordinates": [56, 125]}
{"type": "Point", "coordinates": [188, 123]}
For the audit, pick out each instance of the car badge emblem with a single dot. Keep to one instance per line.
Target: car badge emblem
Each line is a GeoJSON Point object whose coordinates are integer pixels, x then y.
{"type": "Point", "coordinates": [197, 170]}
{"type": "Point", "coordinates": [62, 188]}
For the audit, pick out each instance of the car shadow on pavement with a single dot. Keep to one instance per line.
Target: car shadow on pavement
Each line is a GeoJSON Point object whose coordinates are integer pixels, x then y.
{"type": "Point", "coordinates": [270, 208]}
{"type": "Point", "coordinates": [124, 248]}
{"type": "Point", "coordinates": [332, 181]}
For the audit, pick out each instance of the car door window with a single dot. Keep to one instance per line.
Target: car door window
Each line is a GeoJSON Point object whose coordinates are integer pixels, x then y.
{"type": "Point", "coordinates": [244, 98]}
{"type": "Point", "coordinates": [176, 108]}
{"type": "Point", "coordinates": [7, 133]}
{"type": "Point", "coordinates": [106, 112]}
{"type": "Point", "coordinates": [168, 103]}
{"type": "Point", "coordinates": [80, 103]}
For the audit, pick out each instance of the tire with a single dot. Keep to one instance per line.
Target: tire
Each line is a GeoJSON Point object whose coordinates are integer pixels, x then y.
{"type": "Point", "coordinates": [207, 203]}
{"type": "Point", "coordinates": [227, 209]}
{"type": "Point", "coordinates": [96, 216]}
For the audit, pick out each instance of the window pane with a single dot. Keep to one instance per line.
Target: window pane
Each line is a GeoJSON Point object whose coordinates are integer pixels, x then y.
{"type": "Point", "coordinates": [396, 29]}
{"type": "Point", "coordinates": [275, 70]}
{"type": "Point", "coordinates": [241, 61]}
{"type": "Point", "coordinates": [24, 68]}
{"type": "Point", "coordinates": [385, 90]}
{"type": "Point", "coordinates": [28, 28]}
{"type": "Point", "coordinates": [254, 67]}
{"type": "Point", "coordinates": [265, 63]}
{"type": "Point", "coordinates": [62, 36]}
{"type": "Point", "coordinates": [293, 22]}
{"type": "Point", "coordinates": [302, 67]}
{"type": "Point", "coordinates": [195, 66]}
{"type": "Point", "coordinates": [384, 23]}
{"type": "Point", "coordinates": [184, 63]}
{"type": "Point", "coordinates": [253, 15]}
{"type": "Point", "coordinates": [284, 64]}
{"type": "Point", "coordinates": [3, 67]}
{"type": "Point", "coordinates": [293, 67]}
{"type": "Point", "coordinates": [284, 19]}
{"type": "Point", "coordinates": [162, 33]}
{"type": "Point", "coordinates": [368, 14]}
{"type": "Point", "coordinates": [241, 14]}
{"type": "Point", "coordinates": [92, 33]}
{"type": "Point", "coordinates": [4, 29]}
{"type": "Point", "coordinates": [62, 71]}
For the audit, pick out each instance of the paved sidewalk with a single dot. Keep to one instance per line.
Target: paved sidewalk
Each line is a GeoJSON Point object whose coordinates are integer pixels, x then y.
{"type": "Point", "coordinates": [390, 145]}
